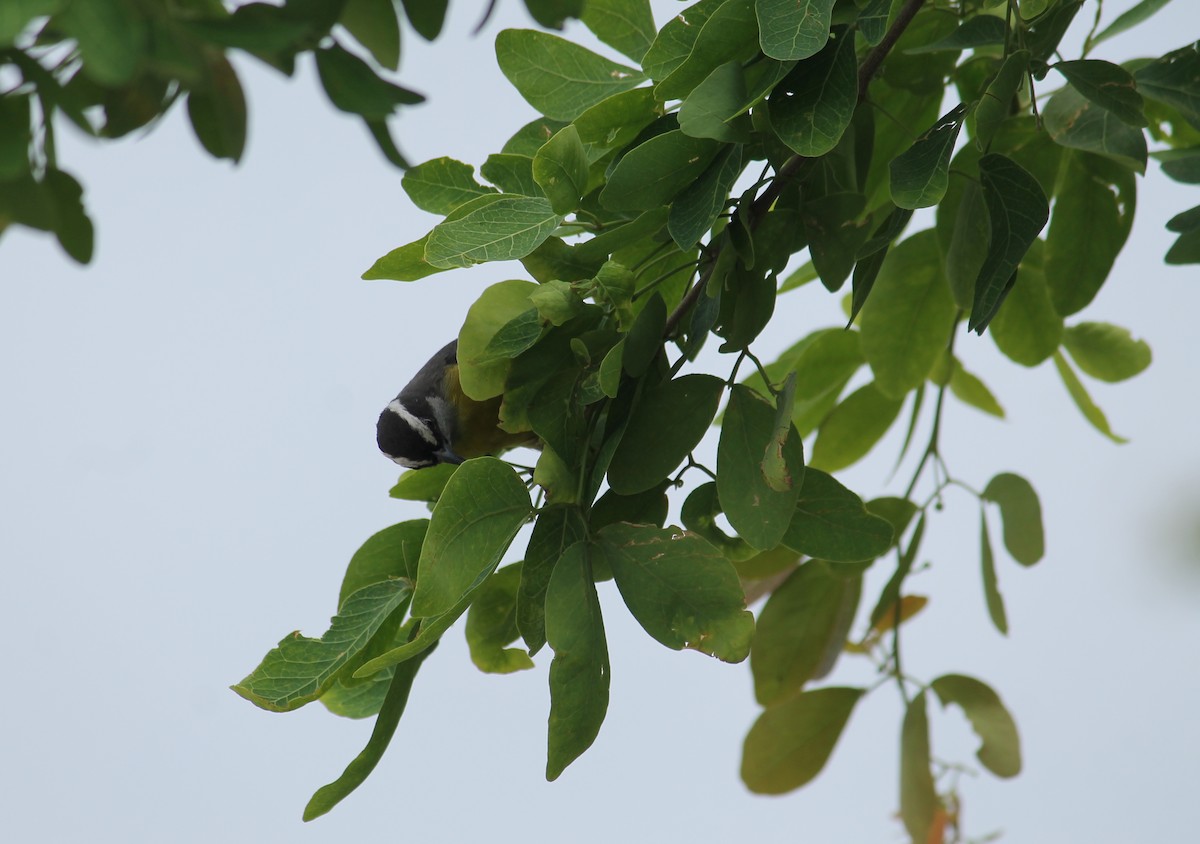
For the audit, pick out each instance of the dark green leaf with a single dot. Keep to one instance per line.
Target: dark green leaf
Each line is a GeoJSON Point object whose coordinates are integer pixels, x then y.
{"type": "Point", "coordinates": [666, 425]}
{"type": "Point", "coordinates": [353, 87]}
{"type": "Point", "coordinates": [218, 112]}
{"type": "Point", "coordinates": [579, 675]}
{"type": "Point", "coordinates": [360, 768]}
{"type": "Point", "coordinates": [14, 135]}
{"type": "Point", "coordinates": [831, 523]}
{"type": "Point", "coordinates": [790, 743]}
{"type": "Point", "coordinates": [652, 173]}
{"type": "Point", "coordinates": [299, 669]}
{"type": "Point", "coordinates": [557, 77]}
{"type": "Point", "coordinates": [72, 226]}
{"type": "Point", "coordinates": [991, 589]}
{"type": "Point", "coordinates": [373, 24]}
{"type": "Point", "coordinates": [710, 108]}
{"type": "Point", "coordinates": [511, 173]}
{"type": "Point", "coordinates": [492, 624]}
{"type": "Point", "coordinates": [644, 340]}
{"type": "Point", "coordinates": [1000, 751]}
{"type": "Point", "coordinates": [996, 104]}
{"type": "Point", "coordinates": [797, 627]}
{"type": "Point", "coordinates": [554, 13]}
{"type": "Point", "coordinates": [918, 797]}
{"type": "Point", "coordinates": [1181, 165]}
{"type": "Point", "coordinates": [558, 527]}
{"type": "Point", "coordinates": [675, 40]}
{"type": "Point", "coordinates": [978, 31]}
{"type": "Point", "coordinates": [617, 120]}
{"type": "Point", "coordinates": [383, 139]}
{"type": "Point", "coordinates": [625, 25]}
{"type": "Point", "coordinates": [442, 184]}
{"type": "Point", "coordinates": [793, 29]}
{"type": "Point", "coordinates": [680, 588]}
{"type": "Point", "coordinates": [759, 513]}
{"type": "Point", "coordinates": [1017, 212]}
{"type": "Point", "coordinates": [477, 516]}
{"type": "Point", "coordinates": [1105, 351]}
{"type": "Point", "coordinates": [907, 321]}
{"type": "Point", "coordinates": [872, 20]}
{"type": "Point", "coordinates": [426, 16]}
{"type": "Point", "coordinates": [111, 35]}
{"type": "Point", "coordinates": [1077, 123]}
{"type": "Point", "coordinates": [812, 108]}
{"type": "Point", "coordinates": [1174, 79]}
{"type": "Point", "coordinates": [729, 34]}
{"type": "Point", "coordinates": [1107, 85]}
{"type": "Point", "coordinates": [836, 233]}
{"type": "Point", "coordinates": [921, 174]}
{"type": "Point", "coordinates": [853, 428]}
{"type": "Point", "coordinates": [696, 208]}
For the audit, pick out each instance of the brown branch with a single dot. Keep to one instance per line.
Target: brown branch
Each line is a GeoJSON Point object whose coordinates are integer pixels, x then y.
{"type": "Point", "coordinates": [763, 202]}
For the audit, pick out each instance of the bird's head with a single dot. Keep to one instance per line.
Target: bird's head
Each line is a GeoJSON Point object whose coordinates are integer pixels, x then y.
{"type": "Point", "coordinates": [412, 439]}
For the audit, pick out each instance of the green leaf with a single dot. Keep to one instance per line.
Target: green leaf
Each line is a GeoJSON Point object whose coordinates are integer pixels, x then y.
{"type": "Point", "coordinates": [652, 173]}
{"type": "Point", "coordinates": [991, 588]}
{"type": "Point", "coordinates": [507, 228]}
{"type": "Point", "coordinates": [360, 768]}
{"type": "Point", "coordinates": [561, 170]}
{"type": "Point", "coordinates": [382, 136]}
{"type": "Point", "coordinates": [579, 675]}
{"type": "Point", "coordinates": [1021, 513]}
{"type": "Point", "coordinates": [836, 233]}
{"type": "Point", "coordinates": [14, 135]}
{"type": "Point", "coordinates": [404, 263]}
{"type": "Point", "coordinates": [352, 85]}
{"type": "Point", "coordinates": [1086, 232]}
{"type": "Point", "coordinates": [112, 38]}
{"type": "Point", "coordinates": [217, 112]}
{"type": "Point", "coordinates": [426, 16]}
{"type": "Point", "coordinates": [644, 340]}
{"type": "Point", "coordinates": [1017, 212]}
{"type": "Point", "coordinates": [624, 25]}
{"type": "Point", "coordinates": [1105, 351]}
{"type": "Point", "coordinates": [710, 108]}
{"type": "Point", "coordinates": [1181, 165]}
{"type": "Point", "coordinates": [373, 24]}
{"type": "Point", "coordinates": [1174, 79]}
{"type": "Point", "coordinates": [511, 173]}
{"type": "Point", "coordinates": [968, 389]}
{"type": "Point", "coordinates": [696, 208]}
{"type": "Point", "coordinates": [681, 589]}
{"type": "Point", "coordinates": [616, 121]}
{"type": "Point", "coordinates": [907, 321]}
{"type": "Point", "coordinates": [553, 14]}
{"type": "Point", "coordinates": [72, 226]}
{"type": "Point", "coordinates": [978, 31]}
{"type": "Point", "coordinates": [1082, 400]}
{"type": "Point", "coordinates": [996, 104]}
{"type": "Point", "coordinates": [778, 463]}
{"type": "Point", "coordinates": [1077, 123]}
{"type": "Point", "coordinates": [790, 743]}
{"type": "Point", "coordinates": [967, 248]}
{"type": "Point", "coordinates": [299, 669]}
{"type": "Point", "coordinates": [675, 40]}
{"type": "Point", "coordinates": [442, 184]}
{"type": "Point", "coordinates": [558, 77]}
{"type": "Point", "coordinates": [1028, 329]}
{"type": "Point", "coordinates": [812, 107]}
{"type": "Point", "coordinates": [759, 513]}
{"type": "Point", "coordinates": [918, 797]}
{"type": "Point", "coordinates": [831, 523]}
{"type": "Point", "coordinates": [16, 14]}
{"type": "Point", "coordinates": [558, 527]}
{"type": "Point", "coordinates": [1129, 19]}
{"type": "Point", "coordinates": [1107, 85]}
{"type": "Point", "coordinates": [853, 428]}
{"type": "Point", "coordinates": [496, 307]}
{"type": "Point", "coordinates": [872, 20]}
{"type": "Point", "coordinates": [793, 29]}
{"type": "Point", "coordinates": [358, 698]}
{"type": "Point", "coordinates": [492, 624]}
{"type": "Point", "coordinates": [1000, 751]}
{"type": "Point", "coordinates": [477, 516]}
{"type": "Point", "coordinates": [668, 422]}
{"type": "Point", "coordinates": [795, 630]}
{"type": "Point", "coordinates": [921, 174]}
{"type": "Point", "coordinates": [729, 34]}
{"type": "Point", "coordinates": [391, 553]}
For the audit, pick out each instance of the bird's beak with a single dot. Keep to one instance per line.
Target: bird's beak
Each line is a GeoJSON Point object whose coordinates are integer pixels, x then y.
{"type": "Point", "coordinates": [445, 455]}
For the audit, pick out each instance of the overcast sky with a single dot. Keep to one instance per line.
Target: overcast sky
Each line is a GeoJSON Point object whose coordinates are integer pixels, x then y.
{"type": "Point", "coordinates": [187, 462]}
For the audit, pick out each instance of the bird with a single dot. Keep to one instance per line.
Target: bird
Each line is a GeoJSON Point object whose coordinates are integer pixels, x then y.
{"type": "Point", "coordinates": [433, 421]}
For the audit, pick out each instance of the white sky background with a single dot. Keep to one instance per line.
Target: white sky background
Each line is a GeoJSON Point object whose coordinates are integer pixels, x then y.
{"type": "Point", "coordinates": [187, 462]}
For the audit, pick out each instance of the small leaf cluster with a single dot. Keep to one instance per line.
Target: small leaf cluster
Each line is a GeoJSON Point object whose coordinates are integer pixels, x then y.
{"type": "Point", "coordinates": [657, 204]}
{"type": "Point", "coordinates": [113, 67]}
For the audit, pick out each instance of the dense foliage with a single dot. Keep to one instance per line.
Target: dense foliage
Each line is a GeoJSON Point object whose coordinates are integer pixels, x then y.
{"type": "Point", "coordinates": [656, 206]}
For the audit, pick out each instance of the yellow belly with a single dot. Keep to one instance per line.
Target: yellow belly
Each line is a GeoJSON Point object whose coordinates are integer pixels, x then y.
{"type": "Point", "coordinates": [479, 430]}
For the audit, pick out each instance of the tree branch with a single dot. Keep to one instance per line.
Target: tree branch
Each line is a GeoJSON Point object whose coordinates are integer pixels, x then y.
{"type": "Point", "coordinates": [763, 202]}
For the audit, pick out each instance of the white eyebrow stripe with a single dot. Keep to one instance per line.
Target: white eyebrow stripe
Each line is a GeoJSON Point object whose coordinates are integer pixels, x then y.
{"type": "Point", "coordinates": [416, 424]}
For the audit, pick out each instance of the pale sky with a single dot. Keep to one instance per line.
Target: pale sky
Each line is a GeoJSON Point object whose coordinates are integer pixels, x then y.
{"type": "Point", "coordinates": [188, 462]}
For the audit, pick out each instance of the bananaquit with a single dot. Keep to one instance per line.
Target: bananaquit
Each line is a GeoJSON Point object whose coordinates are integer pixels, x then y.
{"type": "Point", "coordinates": [433, 421]}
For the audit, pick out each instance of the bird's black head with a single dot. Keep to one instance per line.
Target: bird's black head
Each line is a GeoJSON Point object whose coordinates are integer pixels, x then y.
{"type": "Point", "coordinates": [409, 439]}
